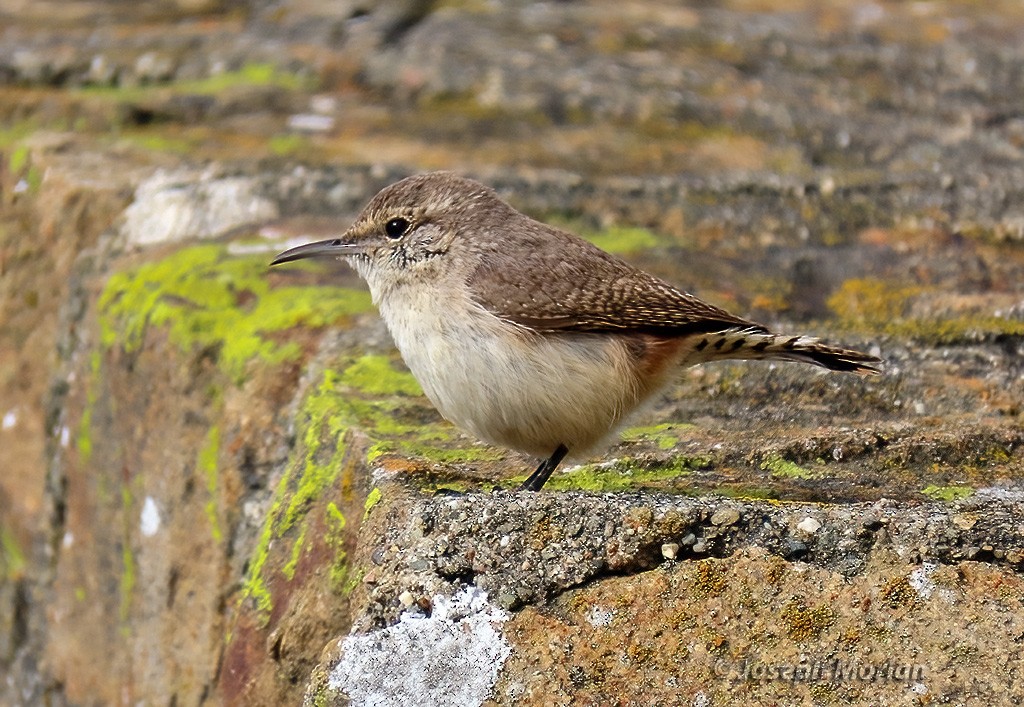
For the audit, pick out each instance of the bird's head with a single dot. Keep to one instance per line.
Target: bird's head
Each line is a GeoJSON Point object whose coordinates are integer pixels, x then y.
{"type": "Point", "coordinates": [407, 228]}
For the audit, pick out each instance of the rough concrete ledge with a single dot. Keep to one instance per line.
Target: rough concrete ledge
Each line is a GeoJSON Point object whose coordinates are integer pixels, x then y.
{"type": "Point", "coordinates": [694, 593]}
{"type": "Point", "coordinates": [524, 548]}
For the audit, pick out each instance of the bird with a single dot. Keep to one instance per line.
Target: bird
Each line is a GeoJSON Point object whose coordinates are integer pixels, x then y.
{"type": "Point", "coordinates": [528, 336]}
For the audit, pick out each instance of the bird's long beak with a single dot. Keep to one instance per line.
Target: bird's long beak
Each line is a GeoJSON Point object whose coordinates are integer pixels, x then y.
{"type": "Point", "coordinates": [330, 248]}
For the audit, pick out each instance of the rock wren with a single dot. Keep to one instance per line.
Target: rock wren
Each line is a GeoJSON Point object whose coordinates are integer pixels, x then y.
{"type": "Point", "coordinates": [525, 335]}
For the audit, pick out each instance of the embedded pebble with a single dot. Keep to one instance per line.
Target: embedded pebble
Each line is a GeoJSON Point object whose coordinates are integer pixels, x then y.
{"type": "Point", "coordinates": [808, 525]}
{"type": "Point", "coordinates": [725, 516]}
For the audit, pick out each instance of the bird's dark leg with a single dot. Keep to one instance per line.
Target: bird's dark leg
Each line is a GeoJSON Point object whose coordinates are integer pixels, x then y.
{"type": "Point", "coordinates": [539, 478]}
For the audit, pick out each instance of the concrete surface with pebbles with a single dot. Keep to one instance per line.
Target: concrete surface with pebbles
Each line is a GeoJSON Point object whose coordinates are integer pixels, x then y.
{"type": "Point", "coordinates": [528, 548]}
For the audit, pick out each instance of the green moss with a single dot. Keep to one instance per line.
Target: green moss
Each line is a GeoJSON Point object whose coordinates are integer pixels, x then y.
{"type": "Point", "coordinates": [336, 519]}
{"type": "Point", "coordinates": [444, 455]}
{"type": "Point", "coordinates": [372, 499]}
{"type": "Point", "coordinates": [288, 145]}
{"type": "Point", "coordinates": [160, 141]}
{"type": "Point", "coordinates": [252, 74]}
{"type": "Point", "coordinates": [335, 537]}
{"type": "Point", "coordinates": [208, 467]}
{"type": "Point", "coordinates": [293, 562]}
{"type": "Point", "coordinates": [377, 450]}
{"type": "Point", "coordinates": [315, 467]}
{"type": "Point", "coordinates": [377, 376]}
{"type": "Point", "coordinates": [217, 303]}
{"type": "Point", "coordinates": [13, 133]}
{"type": "Point", "coordinates": [666, 436]}
{"type": "Point", "coordinates": [322, 417]}
{"type": "Point", "coordinates": [12, 559]}
{"type": "Point", "coordinates": [428, 447]}
{"type": "Point", "coordinates": [83, 440]}
{"type": "Point", "coordinates": [18, 159]}
{"type": "Point", "coordinates": [947, 493]}
{"type": "Point", "coordinates": [784, 469]}
{"type": "Point", "coordinates": [351, 580]}
{"type": "Point", "coordinates": [254, 587]}
{"type": "Point", "coordinates": [264, 74]}
{"type": "Point", "coordinates": [20, 165]}
{"type": "Point", "coordinates": [621, 475]}
{"type": "Point", "coordinates": [623, 240]}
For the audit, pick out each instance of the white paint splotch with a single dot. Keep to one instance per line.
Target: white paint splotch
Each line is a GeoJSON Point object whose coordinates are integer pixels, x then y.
{"type": "Point", "coordinates": [170, 206]}
{"type": "Point", "coordinates": [149, 519]}
{"type": "Point", "coordinates": [448, 659]}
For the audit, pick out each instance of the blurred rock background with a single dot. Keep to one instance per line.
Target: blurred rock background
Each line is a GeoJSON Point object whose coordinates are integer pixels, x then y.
{"type": "Point", "coordinates": [211, 473]}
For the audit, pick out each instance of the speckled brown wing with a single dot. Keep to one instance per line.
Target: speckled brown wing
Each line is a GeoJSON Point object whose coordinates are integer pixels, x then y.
{"type": "Point", "coordinates": [565, 283]}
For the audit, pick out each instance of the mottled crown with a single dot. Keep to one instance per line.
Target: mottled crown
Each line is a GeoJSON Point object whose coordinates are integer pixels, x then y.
{"type": "Point", "coordinates": [435, 195]}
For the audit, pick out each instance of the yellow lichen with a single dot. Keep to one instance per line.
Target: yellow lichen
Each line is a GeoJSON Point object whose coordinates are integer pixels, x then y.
{"type": "Point", "coordinates": [708, 578]}
{"type": "Point", "coordinates": [898, 593]}
{"type": "Point", "coordinates": [802, 622]}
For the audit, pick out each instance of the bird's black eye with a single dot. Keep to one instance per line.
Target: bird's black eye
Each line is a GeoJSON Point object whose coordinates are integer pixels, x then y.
{"type": "Point", "coordinates": [396, 228]}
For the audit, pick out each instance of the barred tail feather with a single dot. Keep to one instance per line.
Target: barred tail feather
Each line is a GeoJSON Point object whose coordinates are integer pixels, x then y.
{"type": "Point", "coordinates": [761, 344]}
